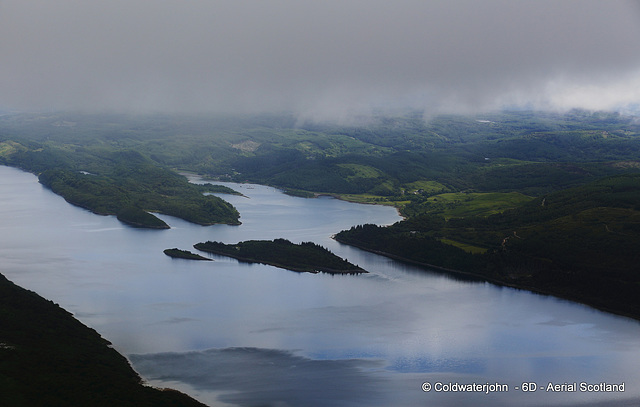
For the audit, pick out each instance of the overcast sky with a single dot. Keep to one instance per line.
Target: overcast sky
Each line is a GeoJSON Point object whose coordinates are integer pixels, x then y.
{"type": "Point", "coordinates": [319, 58]}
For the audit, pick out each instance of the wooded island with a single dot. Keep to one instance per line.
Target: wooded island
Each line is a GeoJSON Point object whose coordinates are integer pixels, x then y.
{"type": "Point", "coordinates": [304, 257]}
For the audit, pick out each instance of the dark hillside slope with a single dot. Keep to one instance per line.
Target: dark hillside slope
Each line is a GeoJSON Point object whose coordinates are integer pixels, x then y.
{"type": "Point", "coordinates": [48, 358]}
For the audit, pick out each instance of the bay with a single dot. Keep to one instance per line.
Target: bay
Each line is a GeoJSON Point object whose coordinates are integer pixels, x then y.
{"type": "Point", "coordinates": [234, 334]}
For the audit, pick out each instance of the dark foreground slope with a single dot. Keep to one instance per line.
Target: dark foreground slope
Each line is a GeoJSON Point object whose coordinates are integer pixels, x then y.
{"type": "Point", "coordinates": [48, 358]}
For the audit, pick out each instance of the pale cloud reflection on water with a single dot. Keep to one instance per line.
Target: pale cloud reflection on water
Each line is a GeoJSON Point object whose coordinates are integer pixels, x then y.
{"type": "Point", "coordinates": [249, 377]}
{"type": "Point", "coordinates": [252, 376]}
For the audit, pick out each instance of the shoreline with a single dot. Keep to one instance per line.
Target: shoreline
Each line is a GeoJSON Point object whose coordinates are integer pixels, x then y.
{"type": "Point", "coordinates": [501, 283]}
{"type": "Point", "coordinates": [311, 268]}
{"type": "Point", "coordinates": [294, 269]}
{"type": "Point", "coordinates": [343, 198]}
{"type": "Point", "coordinates": [50, 358]}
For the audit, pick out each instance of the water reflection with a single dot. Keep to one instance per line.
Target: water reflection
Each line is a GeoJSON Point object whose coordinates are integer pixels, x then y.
{"type": "Point", "coordinates": [372, 338]}
{"type": "Point", "coordinates": [277, 378]}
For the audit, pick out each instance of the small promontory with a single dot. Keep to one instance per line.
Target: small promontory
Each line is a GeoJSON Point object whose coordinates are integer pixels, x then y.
{"type": "Point", "coordinates": [184, 254]}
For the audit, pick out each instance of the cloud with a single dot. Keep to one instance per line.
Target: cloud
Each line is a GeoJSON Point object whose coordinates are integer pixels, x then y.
{"type": "Point", "coordinates": [318, 58]}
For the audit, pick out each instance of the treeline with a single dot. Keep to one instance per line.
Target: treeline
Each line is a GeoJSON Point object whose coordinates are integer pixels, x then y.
{"type": "Point", "coordinates": [412, 246]}
{"type": "Point", "coordinates": [580, 243]}
{"type": "Point", "coordinates": [303, 257]}
{"type": "Point", "coordinates": [529, 152]}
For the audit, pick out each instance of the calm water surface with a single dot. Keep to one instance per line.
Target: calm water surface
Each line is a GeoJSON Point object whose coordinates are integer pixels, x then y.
{"type": "Point", "coordinates": [233, 334]}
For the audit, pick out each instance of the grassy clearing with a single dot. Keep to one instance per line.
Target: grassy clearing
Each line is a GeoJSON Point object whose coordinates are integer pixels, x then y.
{"type": "Point", "coordinates": [429, 187]}
{"type": "Point", "coordinates": [8, 148]}
{"type": "Point", "coordinates": [464, 246]}
{"type": "Point", "coordinates": [371, 199]}
{"type": "Point", "coordinates": [459, 204]}
{"type": "Point", "coordinates": [361, 171]}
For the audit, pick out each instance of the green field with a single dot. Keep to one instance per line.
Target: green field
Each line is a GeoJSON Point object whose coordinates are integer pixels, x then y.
{"type": "Point", "coordinates": [464, 246]}
{"type": "Point", "coordinates": [461, 204]}
{"type": "Point", "coordinates": [424, 186]}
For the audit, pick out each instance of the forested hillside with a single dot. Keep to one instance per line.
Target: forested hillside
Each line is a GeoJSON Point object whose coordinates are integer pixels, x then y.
{"type": "Point", "coordinates": [383, 157]}
{"type": "Point", "coordinates": [579, 243]}
{"type": "Point", "coordinates": [48, 358]}
{"type": "Point", "coordinates": [110, 180]}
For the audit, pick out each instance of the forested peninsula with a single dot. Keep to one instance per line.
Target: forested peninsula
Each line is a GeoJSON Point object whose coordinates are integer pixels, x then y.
{"type": "Point", "coordinates": [119, 182]}
{"type": "Point", "coordinates": [304, 257]}
{"type": "Point", "coordinates": [580, 244]}
{"type": "Point", "coordinates": [48, 358]}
